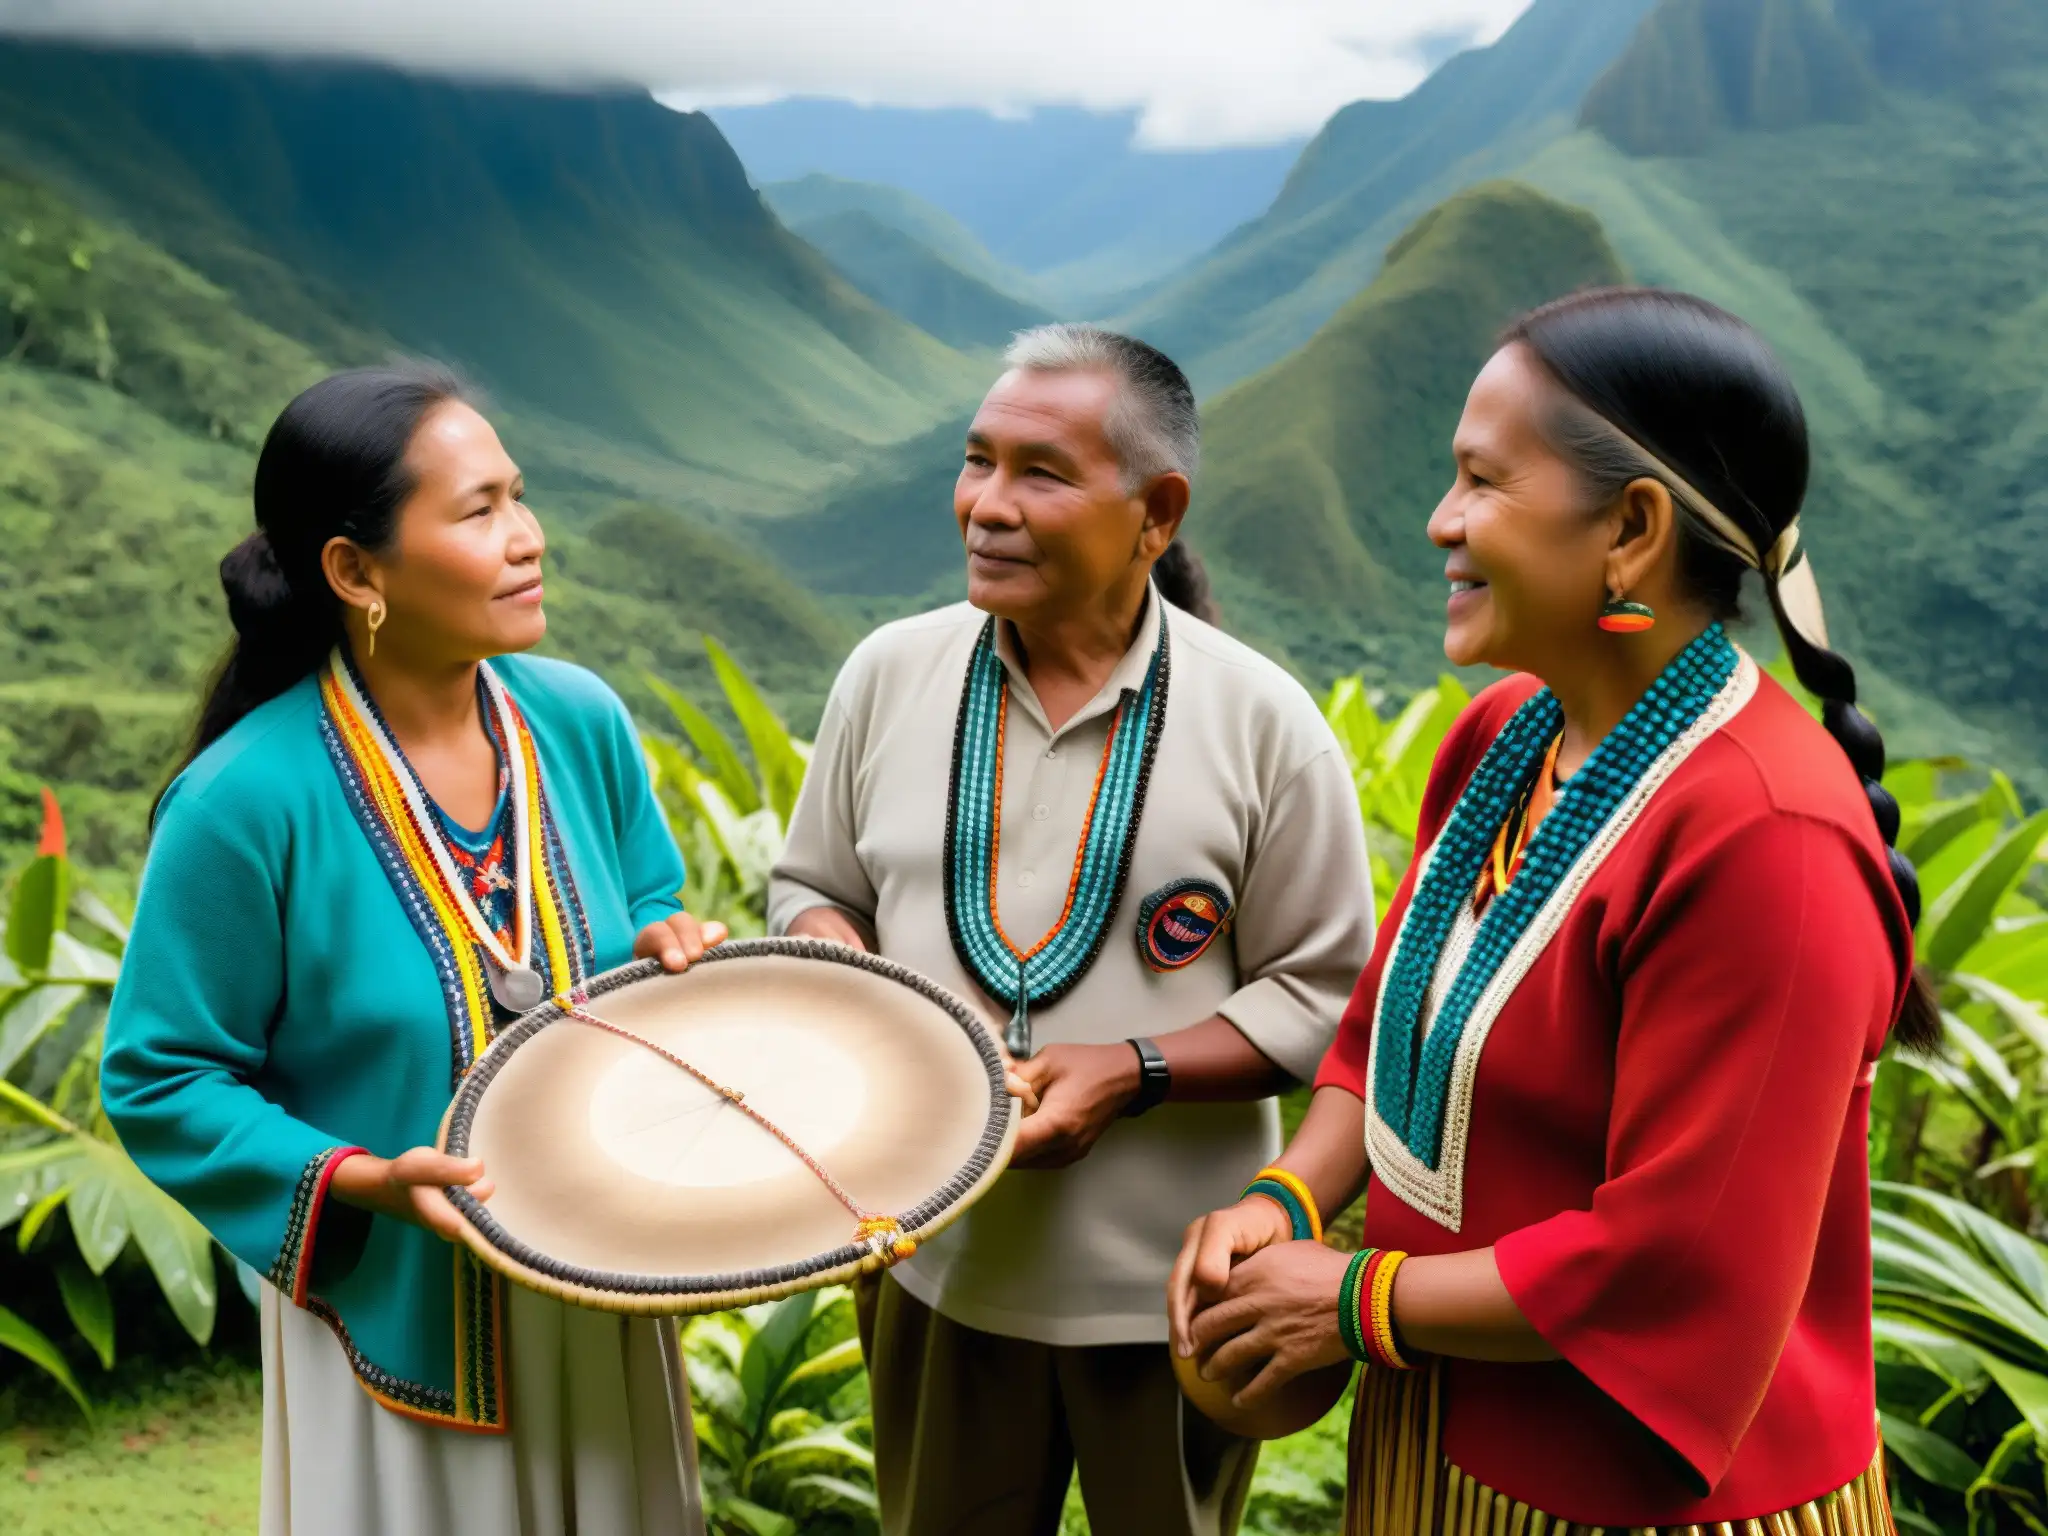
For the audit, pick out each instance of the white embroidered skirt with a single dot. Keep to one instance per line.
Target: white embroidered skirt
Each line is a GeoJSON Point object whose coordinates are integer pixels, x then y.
{"type": "Point", "coordinates": [594, 1448]}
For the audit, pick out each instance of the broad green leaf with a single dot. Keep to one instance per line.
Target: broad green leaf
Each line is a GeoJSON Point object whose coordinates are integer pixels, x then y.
{"type": "Point", "coordinates": [830, 1444]}
{"type": "Point", "coordinates": [90, 1307]}
{"type": "Point", "coordinates": [1945, 868]}
{"type": "Point", "coordinates": [30, 1014]}
{"type": "Point", "coordinates": [28, 1175]}
{"type": "Point", "coordinates": [178, 1249]}
{"type": "Point", "coordinates": [1959, 918]}
{"type": "Point", "coordinates": [1954, 1362]}
{"type": "Point", "coordinates": [2027, 1390]}
{"type": "Point", "coordinates": [2015, 956]}
{"type": "Point", "coordinates": [1913, 1520]}
{"type": "Point", "coordinates": [1943, 829]}
{"type": "Point", "coordinates": [781, 767]}
{"type": "Point", "coordinates": [71, 960]}
{"type": "Point", "coordinates": [2022, 1014]}
{"type": "Point", "coordinates": [817, 1491]}
{"type": "Point", "coordinates": [39, 1213]}
{"type": "Point", "coordinates": [721, 757]}
{"type": "Point", "coordinates": [88, 905]}
{"type": "Point", "coordinates": [99, 1215]}
{"type": "Point", "coordinates": [840, 1360]}
{"type": "Point", "coordinates": [774, 1351]}
{"type": "Point", "coordinates": [1913, 782]}
{"type": "Point", "coordinates": [30, 1343]}
{"type": "Point", "coordinates": [41, 898]}
{"type": "Point", "coordinates": [1982, 1055]}
{"type": "Point", "coordinates": [1934, 1457]}
{"type": "Point", "coordinates": [751, 1518]}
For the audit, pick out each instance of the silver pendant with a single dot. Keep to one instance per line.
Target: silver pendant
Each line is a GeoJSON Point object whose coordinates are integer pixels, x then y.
{"type": "Point", "coordinates": [519, 989]}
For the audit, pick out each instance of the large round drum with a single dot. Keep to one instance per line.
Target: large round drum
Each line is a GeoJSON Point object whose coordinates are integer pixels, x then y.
{"type": "Point", "coordinates": [624, 1128]}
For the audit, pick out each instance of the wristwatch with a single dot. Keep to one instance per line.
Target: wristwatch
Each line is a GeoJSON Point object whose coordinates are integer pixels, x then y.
{"type": "Point", "coordinates": [1154, 1079]}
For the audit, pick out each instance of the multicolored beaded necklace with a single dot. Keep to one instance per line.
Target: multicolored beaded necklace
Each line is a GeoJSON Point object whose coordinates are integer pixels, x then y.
{"type": "Point", "coordinates": [1412, 1069]}
{"type": "Point", "coordinates": [1022, 979]}
{"type": "Point", "coordinates": [405, 829]}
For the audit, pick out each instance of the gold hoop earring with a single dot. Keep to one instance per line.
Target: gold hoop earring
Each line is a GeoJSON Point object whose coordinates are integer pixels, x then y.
{"type": "Point", "coordinates": [376, 618]}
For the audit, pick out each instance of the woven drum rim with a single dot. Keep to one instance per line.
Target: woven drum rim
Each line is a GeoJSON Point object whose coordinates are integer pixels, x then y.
{"type": "Point", "coordinates": [674, 1295]}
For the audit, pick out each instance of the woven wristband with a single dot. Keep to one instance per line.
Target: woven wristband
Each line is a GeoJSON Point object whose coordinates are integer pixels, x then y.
{"type": "Point", "coordinates": [1350, 1316]}
{"type": "Point", "coordinates": [1292, 1196]}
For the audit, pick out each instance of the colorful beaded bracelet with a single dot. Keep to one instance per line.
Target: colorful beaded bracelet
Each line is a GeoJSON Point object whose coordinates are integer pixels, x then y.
{"type": "Point", "coordinates": [1365, 1309]}
{"type": "Point", "coordinates": [1292, 1196]}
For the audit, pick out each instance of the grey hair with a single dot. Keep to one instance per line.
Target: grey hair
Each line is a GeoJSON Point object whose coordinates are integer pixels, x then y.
{"type": "Point", "coordinates": [1153, 427]}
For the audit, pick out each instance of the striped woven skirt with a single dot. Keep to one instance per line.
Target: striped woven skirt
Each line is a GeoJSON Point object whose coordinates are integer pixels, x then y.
{"type": "Point", "coordinates": [1402, 1484]}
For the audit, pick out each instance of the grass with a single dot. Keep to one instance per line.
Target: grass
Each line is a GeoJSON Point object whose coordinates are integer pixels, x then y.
{"type": "Point", "coordinates": [177, 1452]}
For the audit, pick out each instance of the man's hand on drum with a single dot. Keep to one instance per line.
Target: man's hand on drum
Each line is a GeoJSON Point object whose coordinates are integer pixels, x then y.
{"type": "Point", "coordinates": [1079, 1089]}
{"type": "Point", "coordinates": [1277, 1304]}
{"type": "Point", "coordinates": [410, 1187]}
{"type": "Point", "coordinates": [677, 941]}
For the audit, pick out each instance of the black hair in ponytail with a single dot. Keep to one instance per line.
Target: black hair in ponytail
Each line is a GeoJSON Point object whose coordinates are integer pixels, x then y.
{"type": "Point", "coordinates": [333, 466]}
{"type": "Point", "coordinates": [1703, 392]}
{"type": "Point", "coordinates": [1183, 581]}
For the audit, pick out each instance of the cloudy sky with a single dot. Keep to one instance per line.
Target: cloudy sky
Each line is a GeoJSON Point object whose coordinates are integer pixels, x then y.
{"type": "Point", "coordinates": [1201, 72]}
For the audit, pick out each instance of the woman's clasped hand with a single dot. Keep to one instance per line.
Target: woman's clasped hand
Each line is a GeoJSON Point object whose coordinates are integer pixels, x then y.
{"type": "Point", "coordinates": [1252, 1306]}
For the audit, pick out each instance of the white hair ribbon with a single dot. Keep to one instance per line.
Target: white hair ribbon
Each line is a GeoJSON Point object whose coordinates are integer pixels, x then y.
{"type": "Point", "coordinates": [1785, 566]}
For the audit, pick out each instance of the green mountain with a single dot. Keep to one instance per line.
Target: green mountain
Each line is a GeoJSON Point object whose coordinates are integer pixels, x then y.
{"type": "Point", "coordinates": [1375, 168]}
{"type": "Point", "coordinates": [133, 393]}
{"type": "Point", "coordinates": [1894, 261]}
{"type": "Point", "coordinates": [1318, 475]}
{"type": "Point", "coordinates": [599, 261]}
{"type": "Point", "coordinates": [906, 276]}
{"type": "Point", "coordinates": [807, 200]}
{"type": "Point", "coordinates": [1322, 471]}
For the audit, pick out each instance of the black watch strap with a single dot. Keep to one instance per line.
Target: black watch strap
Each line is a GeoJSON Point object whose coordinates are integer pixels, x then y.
{"type": "Point", "coordinates": [1154, 1079]}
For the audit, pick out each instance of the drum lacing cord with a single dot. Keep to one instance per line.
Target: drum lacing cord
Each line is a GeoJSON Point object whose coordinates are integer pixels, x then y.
{"type": "Point", "coordinates": [882, 1235]}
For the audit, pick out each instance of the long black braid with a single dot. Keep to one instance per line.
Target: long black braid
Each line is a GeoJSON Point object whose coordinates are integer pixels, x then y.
{"type": "Point", "coordinates": [1665, 386]}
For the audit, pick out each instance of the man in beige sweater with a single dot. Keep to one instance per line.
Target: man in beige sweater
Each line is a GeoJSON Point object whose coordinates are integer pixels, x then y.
{"type": "Point", "coordinates": [1135, 844]}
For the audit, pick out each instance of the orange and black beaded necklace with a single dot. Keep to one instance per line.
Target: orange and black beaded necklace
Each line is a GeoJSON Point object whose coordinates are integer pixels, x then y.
{"type": "Point", "coordinates": [1512, 841]}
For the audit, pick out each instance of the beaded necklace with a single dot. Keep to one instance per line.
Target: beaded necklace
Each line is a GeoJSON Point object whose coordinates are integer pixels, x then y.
{"type": "Point", "coordinates": [395, 813]}
{"type": "Point", "coordinates": [1035, 978]}
{"type": "Point", "coordinates": [1411, 1068]}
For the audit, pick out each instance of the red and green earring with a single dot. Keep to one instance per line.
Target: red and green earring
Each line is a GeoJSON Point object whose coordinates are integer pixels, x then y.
{"type": "Point", "coordinates": [1621, 617]}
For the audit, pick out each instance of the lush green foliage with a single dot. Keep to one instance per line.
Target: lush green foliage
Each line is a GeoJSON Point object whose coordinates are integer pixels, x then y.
{"type": "Point", "coordinates": [597, 260]}
{"type": "Point", "coordinates": [782, 1429]}
{"type": "Point", "coordinates": [57, 1151]}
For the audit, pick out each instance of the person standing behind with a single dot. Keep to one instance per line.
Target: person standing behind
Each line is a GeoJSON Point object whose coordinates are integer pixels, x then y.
{"type": "Point", "coordinates": [1136, 844]}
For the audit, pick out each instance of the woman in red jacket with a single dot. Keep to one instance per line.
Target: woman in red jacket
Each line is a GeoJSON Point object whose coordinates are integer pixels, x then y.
{"type": "Point", "coordinates": [1607, 1078]}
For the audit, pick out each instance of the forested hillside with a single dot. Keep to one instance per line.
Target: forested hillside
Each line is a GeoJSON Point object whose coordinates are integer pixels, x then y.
{"type": "Point", "coordinates": [599, 261]}
{"type": "Point", "coordinates": [132, 396]}
{"type": "Point", "coordinates": [1374, 169]}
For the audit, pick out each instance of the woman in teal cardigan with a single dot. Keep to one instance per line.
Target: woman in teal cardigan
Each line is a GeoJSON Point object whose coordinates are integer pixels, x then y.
{"type": "Point", "coordinates": [394, 835]}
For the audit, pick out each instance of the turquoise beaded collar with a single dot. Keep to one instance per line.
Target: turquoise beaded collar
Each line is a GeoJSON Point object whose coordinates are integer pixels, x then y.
{"type": "Point", "coordinates": [1035, 978]}
{"type": "Point", "coordinates": [1424, 1060]}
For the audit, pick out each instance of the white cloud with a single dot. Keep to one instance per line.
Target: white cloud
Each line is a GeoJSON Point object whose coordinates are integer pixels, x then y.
{"type": "Point", "coordinates": [1201, 72]}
